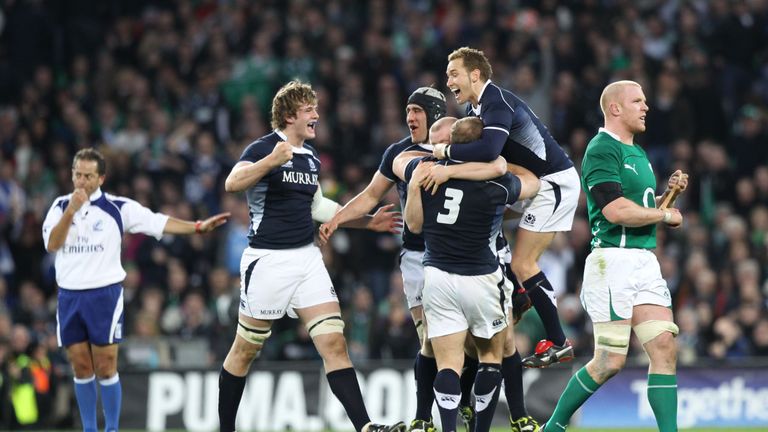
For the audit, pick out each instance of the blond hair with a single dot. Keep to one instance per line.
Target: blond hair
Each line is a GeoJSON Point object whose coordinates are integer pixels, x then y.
{"type": "Point", "coordinates": [288, 100]}
{"type": "Point", "coordinates": [611, 93]}
{"type": "Point", "coordinates": [473, 59]}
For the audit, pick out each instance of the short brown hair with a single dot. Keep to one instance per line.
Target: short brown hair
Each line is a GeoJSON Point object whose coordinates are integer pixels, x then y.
{"type": "Point", "coordinates": [91, 154]}
{"type": "Point", "coordinates": [288, 100]}
{"type": "Point", "coordinates": [466, 130]}
{"type": "Point", "coordinates": [473, 59]}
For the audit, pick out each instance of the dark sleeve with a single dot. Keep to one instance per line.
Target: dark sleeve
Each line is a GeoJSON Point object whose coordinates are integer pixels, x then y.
{"type": "Point", "coordinates": [385, 167]}
{"type": "Point", "coordinates": [498, 120]}
{"type": "Point", "coordinates": [514, 187]}
{"type": "Point", "coordinates": [605, 193]}
{"type": "Point", "coordinates": [256, 151]}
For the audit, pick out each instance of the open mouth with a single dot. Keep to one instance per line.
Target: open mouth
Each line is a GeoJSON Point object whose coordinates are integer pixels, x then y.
{"type": "Point", "coordinates": [456, 92]}
{"type": "Point", "coordinates": [312, 125]}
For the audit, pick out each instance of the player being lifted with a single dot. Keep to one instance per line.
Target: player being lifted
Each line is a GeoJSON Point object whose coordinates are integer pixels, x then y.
{"type": "Point", "coordinates": [513, 131]}
{"type": "Point", "coordinates": [464, 288]}
{"type": "Point", "coordinates": [424, 107]}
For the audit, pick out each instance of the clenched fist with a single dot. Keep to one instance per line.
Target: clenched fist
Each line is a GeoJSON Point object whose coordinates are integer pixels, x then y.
{"type": "Point", "coordinates": [282, 153]}
{"type": "Point", "coordinates": [79, 197]}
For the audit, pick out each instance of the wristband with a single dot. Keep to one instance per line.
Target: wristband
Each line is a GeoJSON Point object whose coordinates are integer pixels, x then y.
{"type": "Point", "coordinates": [448, 151]}
{"type": "Point", "coordinates": [667, 216]}
{"type": "Point", "coordinates": [198, 225]}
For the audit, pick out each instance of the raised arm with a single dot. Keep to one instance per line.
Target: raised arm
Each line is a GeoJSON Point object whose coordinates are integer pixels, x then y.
{"type": "Point", "coordinates": [358, 207]}
{"type": "Point", "coordinates": [365, 201]}
{"type": "Point", "coordinates": [59, 231]}
{"type": "Point", "coordinates": [179, 226]}
{"type": "Point", "coordinates": [479, 171]}
{"type": "Point", "coordinates": [246, 174]}
{"type": "Point", "coordinates": [401, 162]}
{"type": "Point", "coordinates": [486, 149]}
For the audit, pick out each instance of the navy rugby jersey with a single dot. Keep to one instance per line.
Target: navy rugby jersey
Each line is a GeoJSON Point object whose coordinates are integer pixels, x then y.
{"type": "Point", "coordinates": [462, 221]}
{"type": "Point", "coordinates": [280, 204]}
{"type": "Point", "coordinates": [411, 241]}
{"type": "Point", "coordinates": [513, 131]}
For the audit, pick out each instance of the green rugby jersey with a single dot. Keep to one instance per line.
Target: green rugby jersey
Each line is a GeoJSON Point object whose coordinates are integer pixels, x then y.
{"type": "Point", "coordinates": [608, 160]}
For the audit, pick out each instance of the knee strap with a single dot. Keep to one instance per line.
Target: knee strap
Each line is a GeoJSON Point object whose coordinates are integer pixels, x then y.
{"type": "Point", "coordinates": [325, 324]}
{"type": "Point", "coordinates": [612, 337]}
{"type": "Point", "coordinates": [254, 335]}
{"type": "Point", "coordinates": [648, 330]}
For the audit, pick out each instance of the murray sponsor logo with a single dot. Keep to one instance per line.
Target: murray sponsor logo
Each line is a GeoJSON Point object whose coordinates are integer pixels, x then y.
{"type": "Point", "coordinates": [299, 178]}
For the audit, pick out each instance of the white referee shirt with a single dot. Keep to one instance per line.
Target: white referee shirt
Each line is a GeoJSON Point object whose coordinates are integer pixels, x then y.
{"type": "Point", "coordinates": [90, 256]}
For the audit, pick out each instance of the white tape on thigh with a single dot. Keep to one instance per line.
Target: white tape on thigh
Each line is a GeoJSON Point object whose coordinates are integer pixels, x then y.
{"type": "Point", "coordinates": [325, 324]}
{"type": "Point", "coordinates": [612, 337]}
{"type": "Point", "coordinates": [254, 335]}
{"type": "Point", "coordinates": [648, 330]}
{"type": "Point", "coordinates": [420, 329]}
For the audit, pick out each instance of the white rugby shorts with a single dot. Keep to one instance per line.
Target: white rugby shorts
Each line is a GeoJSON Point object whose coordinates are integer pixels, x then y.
{"type": "Point", "coordinates": [412, 270]}
{"type": "Point", "coordinates": [274, 282]}
{"type": "Point", "coordinates": [553, 208]}
{"type": "Point", "coordinates": [455, 303]}
{"type": "Point", "coordinates": [616, 280]}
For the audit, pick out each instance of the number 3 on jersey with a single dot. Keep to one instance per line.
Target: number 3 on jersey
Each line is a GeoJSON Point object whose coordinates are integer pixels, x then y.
{"type": "Point", "coordinates": [452, 203]}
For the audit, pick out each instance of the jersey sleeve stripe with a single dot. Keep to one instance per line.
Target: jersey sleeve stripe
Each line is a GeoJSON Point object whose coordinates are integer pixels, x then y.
{"type": "Point", "coordinates": [497, 128]}
{"type": "Point", "coordinates": [63, 204]}
{"type": "Point", "coordinates": [501, 94]}
{"type": "Point", "coordinates": [111, 209]}
{"type": "Point", "coordinates": [506, 191]}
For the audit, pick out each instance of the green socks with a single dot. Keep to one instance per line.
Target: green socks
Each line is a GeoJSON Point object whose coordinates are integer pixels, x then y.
{"type": "Point", "coordinates": [662, 395]}
{"type": "Point", "coordinates": [579, 389]}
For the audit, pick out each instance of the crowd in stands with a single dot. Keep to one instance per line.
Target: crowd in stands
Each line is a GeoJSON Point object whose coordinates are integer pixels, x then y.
{"type": "Point", "coordinates": [173, 91]}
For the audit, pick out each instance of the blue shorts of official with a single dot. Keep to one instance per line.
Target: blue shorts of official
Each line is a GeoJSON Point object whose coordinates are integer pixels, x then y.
{"type": "Point", "coordinates": [93, 315]}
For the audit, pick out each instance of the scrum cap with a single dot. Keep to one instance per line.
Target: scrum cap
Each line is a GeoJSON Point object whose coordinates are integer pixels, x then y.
{"type": "Point", "coordinates": [431, 100]}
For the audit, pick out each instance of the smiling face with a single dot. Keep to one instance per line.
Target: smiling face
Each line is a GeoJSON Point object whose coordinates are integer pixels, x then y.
{"type": "Point", "coordinates": [416, 118]}
{"type": "Point", "coordinates": [304, 122]}
{"type": "Point", "coordinates": [460, 81]}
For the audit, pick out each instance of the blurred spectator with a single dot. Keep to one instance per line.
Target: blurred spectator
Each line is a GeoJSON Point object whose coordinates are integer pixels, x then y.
{"type": "Point", "coordinates": [174, 96]}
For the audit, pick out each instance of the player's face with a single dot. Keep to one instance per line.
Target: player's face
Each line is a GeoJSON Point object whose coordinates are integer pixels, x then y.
{"type": "Point", "coordinates": [85, 175]}
{"type": "Point", "coordinates": [633, 109]}
{"type": "Point", "coordinates": [459, 81]}
{"type": "Point", "coordinates": [416, 118]}
{"type": "Point", "coordinates": [305, 121]}
{"type": "Point", "coordinates": [440, 135]}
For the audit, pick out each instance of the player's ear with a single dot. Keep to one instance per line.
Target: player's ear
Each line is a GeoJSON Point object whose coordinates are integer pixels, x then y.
{"type": "Point", "coordinates": [614, 108]}
{"type": "Point", "coordinates": [475, 75]}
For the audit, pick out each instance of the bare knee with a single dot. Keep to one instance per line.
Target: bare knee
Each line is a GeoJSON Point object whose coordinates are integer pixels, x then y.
{"type": "Point", "coordinates": [333, 349]}
{"type": "Point", "coordinates": [662, 351]}
{"type": "Point", "coordinates": [82, 366]}
{"type": "Point", "coordinates": [605, 365]}
{"type": "Point", "coordinates": [509, 342]}
{"type": "Point", "coordinates": [105, 365]}
{"type": "Point", "coordinates": [240, 356]}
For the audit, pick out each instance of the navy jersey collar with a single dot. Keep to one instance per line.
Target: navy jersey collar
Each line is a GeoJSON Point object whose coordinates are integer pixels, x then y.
{"type": "Point", "coordinates": [300, 150]}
